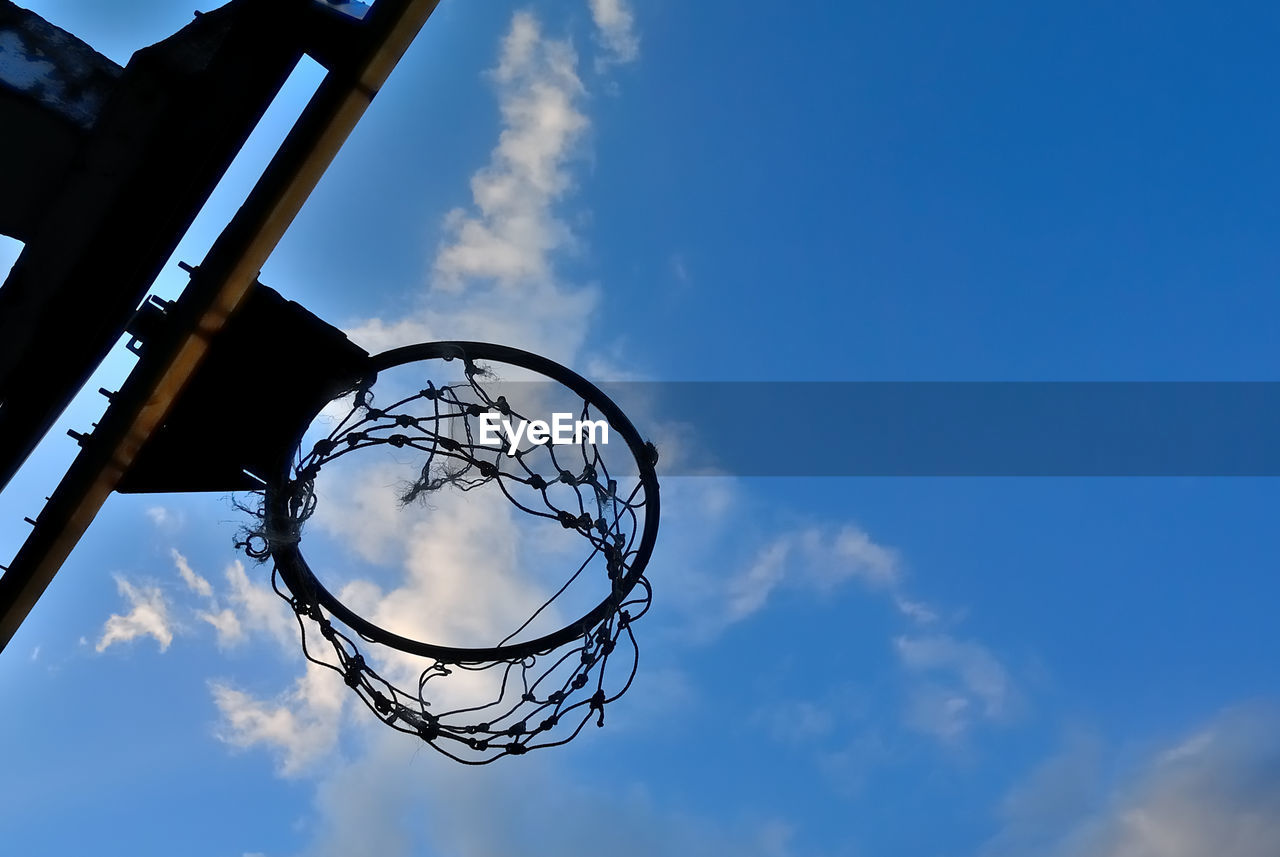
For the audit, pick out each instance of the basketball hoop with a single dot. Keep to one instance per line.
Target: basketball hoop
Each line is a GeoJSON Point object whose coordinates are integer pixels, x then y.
{"type": "Point", "coordinates": [600, 488]}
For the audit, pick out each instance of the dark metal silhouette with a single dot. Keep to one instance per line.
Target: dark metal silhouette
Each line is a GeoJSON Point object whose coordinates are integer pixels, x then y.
{"type": "Point", "coordinates": [163, 136]}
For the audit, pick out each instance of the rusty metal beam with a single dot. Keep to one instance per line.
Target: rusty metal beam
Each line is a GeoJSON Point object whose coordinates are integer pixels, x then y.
{"type": "Point", "coordinates": [216, 291]}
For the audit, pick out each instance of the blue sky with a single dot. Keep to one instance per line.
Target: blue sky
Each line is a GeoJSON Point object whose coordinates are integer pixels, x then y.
{"type": "Point", "coordinates": [836, 666]}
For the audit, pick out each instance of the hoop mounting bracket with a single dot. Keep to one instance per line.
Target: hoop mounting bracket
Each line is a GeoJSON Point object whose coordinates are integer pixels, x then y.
{"type": "Point", "coordinates": [217, 437]}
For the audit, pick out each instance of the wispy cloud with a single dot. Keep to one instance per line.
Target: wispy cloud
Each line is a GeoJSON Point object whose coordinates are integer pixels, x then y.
{"type": "Point", "coordinates": [379, 803]}
{"type": "Point", "coordinates": [963, 684]}
{"type": "Point", "coordinates": [148, 616]}
{"type": "Point", "coordinates": [952, 684]}
{"type": "Point", "coordinates": [1214, 792]}
{"type": "Point", "coordinates": [816, 559]}
{"type": "Point", "coordinates": [258, 608]}
{"type": "Point", "coordinates": [301, 725]}
{"type": "Point", "coordinates": [164, 518]}
{"type": "Point", "coordinates": [509, 236]}
{"type": "Point", "coordinates": [226, 624]}
{"type": "Point", "coordinates": [194, 582]}
{"type": "Point", "coordinates": [1041, 812]}
{"type": "Point", "coordinates": [225, 621]}
{"type": "Point", "coordinates": [494, 275]}
{"type": "Point", "coordinates": [616, 28]}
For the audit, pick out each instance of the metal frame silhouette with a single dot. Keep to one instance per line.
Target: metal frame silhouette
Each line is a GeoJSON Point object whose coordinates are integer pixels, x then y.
{"type": "Point", "coordinates": [104, 207]}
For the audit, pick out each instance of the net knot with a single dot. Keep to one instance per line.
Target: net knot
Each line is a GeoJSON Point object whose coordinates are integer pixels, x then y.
{"type": "Point", "coordinates": [597, 704]}
{"type": "Point", "coordinates": [428, 729]}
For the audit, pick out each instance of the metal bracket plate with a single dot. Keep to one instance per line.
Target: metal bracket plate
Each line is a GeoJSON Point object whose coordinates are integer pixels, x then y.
{"type": "Point", "coordinates": [272, 367]}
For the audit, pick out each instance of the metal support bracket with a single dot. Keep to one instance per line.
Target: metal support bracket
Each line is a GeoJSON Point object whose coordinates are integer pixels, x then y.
{"type": "Point", "coordinates": [273, 366]}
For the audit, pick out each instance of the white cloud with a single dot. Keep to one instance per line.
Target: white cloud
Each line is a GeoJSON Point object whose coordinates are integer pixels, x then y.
{"type": "Point", "coordinates": [227, 625]}
{"type": "Point", "coordinates": [1043, 809]}
{"type": "Point", "coordinates": [224, 620]}
{"type": "Point", "coordinates": [195, 582]}
{"type": "Point", "coordinates": [916, 611]}
{"type": "Point", "coordinates": [818, 559]}
{"type": "Point", "coordinates": [616, 26]}
{"type": "Point", "coordinates": [748, 591]}
{"type": "Point", "coordinates": [358, 510]}
{"type": "Point", "coordinates": [260, 609]}
{"type": "Point", "coordinates": [164, 518]}
{"type": "Point", "coordinates": [952, 685]}
{"type": "Point", "coordinates": [1217, 792]}
{"type": "Point", "coordinates": [464, 572]}
{"type": "Point", "coordinates": [854, 556]}
{"type": "Point", "coordinates": [148, 616]}
{"type": "Point", "coordinates": [493, 275]}
{"type": "Point", "coordinates": [385, 804]}
{"type": "Point", "coordinates": [301, 725]}
{"type": "Point", "coordinates": [962, 683]}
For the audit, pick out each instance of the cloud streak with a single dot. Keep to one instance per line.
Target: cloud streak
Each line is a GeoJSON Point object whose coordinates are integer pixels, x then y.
{"type": "Point", "coordinates": [148, 616]}
{"type": "Point", "coordinates": [494, 277]}
{"type": "Point", "coordinates": [819, 560]}
{"type": "Point", "coordinates": [963, 684]}
{"type": "Point", "coordinates": [616, 32]}
{"type": "Point", "coordinates": [300, 726]}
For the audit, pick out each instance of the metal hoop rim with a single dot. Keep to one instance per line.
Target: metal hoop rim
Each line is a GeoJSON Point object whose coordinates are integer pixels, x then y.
{"type": "Point", "coordinates": [299, 577]}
